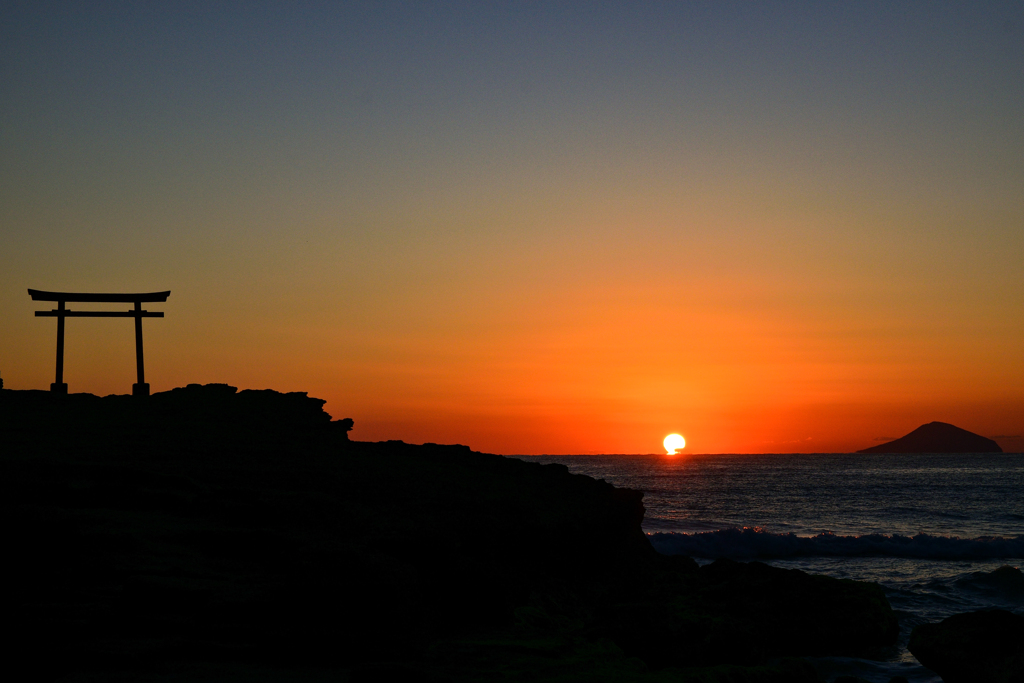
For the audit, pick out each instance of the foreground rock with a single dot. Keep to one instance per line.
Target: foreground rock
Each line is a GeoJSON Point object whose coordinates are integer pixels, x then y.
{"type": "Point", "coordinates": [938, 437]}
{"type": "Point", "coordinates": [209, 534]}
{"type": "Point", "coordinates": [978, 647]}
{"type": "Point", "coordinates": [748, 612]}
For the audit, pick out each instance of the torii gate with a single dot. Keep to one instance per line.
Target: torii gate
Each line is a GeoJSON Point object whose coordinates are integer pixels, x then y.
{"type": "Point", "coordinates": [59, 386]}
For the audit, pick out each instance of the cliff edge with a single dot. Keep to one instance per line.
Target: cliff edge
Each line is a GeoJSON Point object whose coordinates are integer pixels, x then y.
{"type": "Point", "coordinates": [208, 534]}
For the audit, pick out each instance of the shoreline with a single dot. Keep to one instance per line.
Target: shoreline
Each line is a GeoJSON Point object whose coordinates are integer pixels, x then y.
{"type": "Point", "coordinates": [248, 523]}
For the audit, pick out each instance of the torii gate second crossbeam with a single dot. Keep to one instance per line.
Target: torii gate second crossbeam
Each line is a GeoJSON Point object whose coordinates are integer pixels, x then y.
{"type": "Point", "coordinates": [59, 386]}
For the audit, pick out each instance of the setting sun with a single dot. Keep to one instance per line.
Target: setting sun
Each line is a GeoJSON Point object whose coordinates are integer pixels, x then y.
{"type": "Point", "coordinates": [674, 442]}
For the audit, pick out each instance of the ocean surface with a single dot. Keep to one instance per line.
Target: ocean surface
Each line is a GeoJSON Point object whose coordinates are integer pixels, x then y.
{"type": "Point", "coordinates": [928, 528]}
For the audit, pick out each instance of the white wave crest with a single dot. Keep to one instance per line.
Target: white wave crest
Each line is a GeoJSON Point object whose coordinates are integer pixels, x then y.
{"type": "Point", "coordinates": [751, 543]}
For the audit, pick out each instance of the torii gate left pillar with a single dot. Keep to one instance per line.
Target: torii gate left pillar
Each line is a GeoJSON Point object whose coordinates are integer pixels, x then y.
{"type": "Point", "coordinates": [140, 388]}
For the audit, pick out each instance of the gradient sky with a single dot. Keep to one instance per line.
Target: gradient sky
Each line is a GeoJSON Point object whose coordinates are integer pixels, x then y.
{"type": "Point", "coordinates": [531, 227]}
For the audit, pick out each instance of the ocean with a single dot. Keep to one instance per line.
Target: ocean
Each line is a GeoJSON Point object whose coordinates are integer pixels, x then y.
{"type": "Point", "coordinates": [928, 528]}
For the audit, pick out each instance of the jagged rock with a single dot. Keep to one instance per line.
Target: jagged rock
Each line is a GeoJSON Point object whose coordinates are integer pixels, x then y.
{"type": "Point", "coordinates": [168, 422]}
{"type": "Point", "coordinates": [977, 647]}
{"type": "Point", "coordinates": [938, 437]}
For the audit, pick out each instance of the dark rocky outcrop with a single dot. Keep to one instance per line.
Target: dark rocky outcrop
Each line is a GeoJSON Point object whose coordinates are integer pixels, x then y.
{"type": "Point", "coordinates": [208, 534]}
{"type": "Point", "coordinates": [977, 647]}
{"type": "Point", "coordinates": [1007, 580]}
{"type": "Point", "coordinates": [748, 612]}
{"type": "Point", "coordinates": [167, 420]}
{"type": "Point", "coordinates": [938, 437]}
{"type": "Point", "coordinates": [1005, 583]}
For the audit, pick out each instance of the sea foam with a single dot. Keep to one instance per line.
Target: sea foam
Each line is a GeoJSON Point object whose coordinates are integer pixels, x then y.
{"type": "Point", "coordinates": [752, 543]}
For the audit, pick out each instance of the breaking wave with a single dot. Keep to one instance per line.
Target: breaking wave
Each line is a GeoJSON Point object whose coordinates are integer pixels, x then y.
{"type": "Point", "coordinates": [754, 543]}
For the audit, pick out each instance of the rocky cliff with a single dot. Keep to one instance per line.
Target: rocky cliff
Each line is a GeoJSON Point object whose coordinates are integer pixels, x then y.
{"type": "Point", "coordinates": [206, 534]}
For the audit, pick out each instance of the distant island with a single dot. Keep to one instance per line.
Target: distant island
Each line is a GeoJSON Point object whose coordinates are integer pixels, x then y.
{"type": "Point", "coordinates": [938, 437]}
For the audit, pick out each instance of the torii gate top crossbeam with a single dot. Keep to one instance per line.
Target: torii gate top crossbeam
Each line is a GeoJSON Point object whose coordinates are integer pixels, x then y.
{"type": "Point", "coordinates": [38, 295]}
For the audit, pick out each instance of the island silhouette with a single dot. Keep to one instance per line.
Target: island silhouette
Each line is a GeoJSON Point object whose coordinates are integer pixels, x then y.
{"type": "Point", "coordinates": [938, 437]}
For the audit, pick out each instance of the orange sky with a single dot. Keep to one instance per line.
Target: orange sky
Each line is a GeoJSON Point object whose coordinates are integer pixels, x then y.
{"type": "Point", "coordinates": [533, 234]}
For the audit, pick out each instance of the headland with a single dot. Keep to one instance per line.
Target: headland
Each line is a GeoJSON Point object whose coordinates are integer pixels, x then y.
{"type": "Point", "coordinates": [211, 534]}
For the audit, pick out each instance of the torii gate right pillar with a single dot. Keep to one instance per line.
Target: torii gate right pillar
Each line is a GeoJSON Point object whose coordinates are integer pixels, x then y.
{"type": "Point", "coordinates": [140, 388]}
{"type": "Point", "coordinates": [59, 386]}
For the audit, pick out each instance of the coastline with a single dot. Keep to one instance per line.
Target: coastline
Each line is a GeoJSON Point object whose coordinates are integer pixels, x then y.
{"type": "Point", "coordinates": [244, 527]}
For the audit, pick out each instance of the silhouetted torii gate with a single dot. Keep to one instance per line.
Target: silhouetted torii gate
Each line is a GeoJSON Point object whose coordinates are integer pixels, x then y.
{"type": "Point", "coordinates": [59, 387]}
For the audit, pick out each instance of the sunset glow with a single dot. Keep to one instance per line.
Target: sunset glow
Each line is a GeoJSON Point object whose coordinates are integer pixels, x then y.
{"type": "Point", "coordinates": [531, 229]}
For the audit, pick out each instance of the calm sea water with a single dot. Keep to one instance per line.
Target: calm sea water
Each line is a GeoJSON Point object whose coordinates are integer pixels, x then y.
{"type": "Point", "coordinates": [928, 528]}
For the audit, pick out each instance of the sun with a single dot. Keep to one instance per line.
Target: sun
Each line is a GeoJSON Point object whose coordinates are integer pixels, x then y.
{"type": "Point", "coordinates": [673, 442]}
